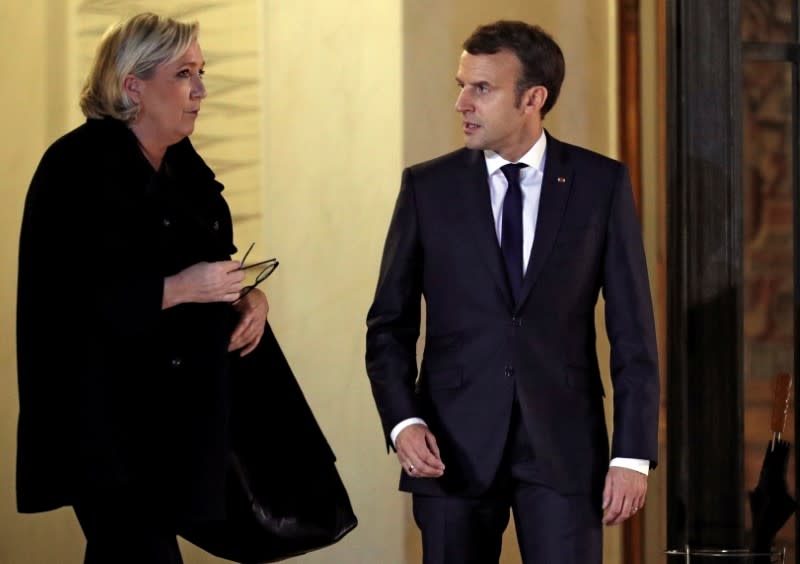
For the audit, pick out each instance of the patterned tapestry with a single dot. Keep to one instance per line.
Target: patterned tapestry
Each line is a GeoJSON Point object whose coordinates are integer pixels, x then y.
{"type": "Point", "coordinates": [768, 171]}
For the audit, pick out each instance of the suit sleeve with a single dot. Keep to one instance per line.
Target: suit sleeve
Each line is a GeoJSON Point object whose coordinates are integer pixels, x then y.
{"type": "Point", "coordinates": [394, 318]}
{"type": "Point", "coordinates": [631, 331]}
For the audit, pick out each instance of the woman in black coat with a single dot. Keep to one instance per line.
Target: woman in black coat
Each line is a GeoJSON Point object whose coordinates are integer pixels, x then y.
{"type": "Point", "coordinates": [128, 306]}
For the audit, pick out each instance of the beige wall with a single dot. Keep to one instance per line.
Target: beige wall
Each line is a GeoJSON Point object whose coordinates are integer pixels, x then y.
{"type": "Point", "coordinates": [24, 99]}
{"type": "Point", "coordinates": [350, 97]}
{"type": "Point", "coordinates": [333, 127]}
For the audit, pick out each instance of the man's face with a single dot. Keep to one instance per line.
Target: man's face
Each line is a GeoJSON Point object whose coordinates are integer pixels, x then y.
{"type": "Point", "coordinates": [492, 118]}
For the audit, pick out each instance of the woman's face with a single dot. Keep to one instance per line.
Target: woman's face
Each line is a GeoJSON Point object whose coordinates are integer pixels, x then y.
{"type": "Point", "coordinates": [169, 101]}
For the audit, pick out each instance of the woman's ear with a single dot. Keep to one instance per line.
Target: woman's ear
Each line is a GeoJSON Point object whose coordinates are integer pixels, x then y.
{"type": "Point", "coordinates": [132, 87]}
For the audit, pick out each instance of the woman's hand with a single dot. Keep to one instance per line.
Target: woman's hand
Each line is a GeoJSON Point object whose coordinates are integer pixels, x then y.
{"type": "Point", "coordinates": [253, 309]}
{"type": "Point", "coordinates": [204, 282]}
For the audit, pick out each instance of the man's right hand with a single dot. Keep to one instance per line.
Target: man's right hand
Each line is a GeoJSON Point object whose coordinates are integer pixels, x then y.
{"type": "Point", "coordinates": [418, 453]}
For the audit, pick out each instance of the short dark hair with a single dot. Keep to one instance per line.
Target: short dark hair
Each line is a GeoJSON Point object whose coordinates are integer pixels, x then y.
{"type": "Point", "coordinates": [541, 57]}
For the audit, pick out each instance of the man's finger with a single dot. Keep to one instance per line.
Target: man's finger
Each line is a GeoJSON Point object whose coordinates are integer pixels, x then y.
{"type": "Point", "coordinates": [614, 508]}
{"type": "Point", "coordinates": [606, 496]}
{"type": "Point", "coordinates": [414, 454]}
{"type": "Point", "coordinates": [423, 470]}
{"type": "Point", "coordinates": [430, 460]}
{"type": "Point", "coordinates": [425, 464]}
{"type": "Point", "coordinates": [432, 445]}
{"type": "Point", "coordinates": [612, 518]}
{"type": "Point", "coordinates": [426, 454]}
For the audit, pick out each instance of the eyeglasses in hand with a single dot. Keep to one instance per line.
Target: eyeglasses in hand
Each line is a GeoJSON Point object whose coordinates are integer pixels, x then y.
{"type": "Point", "coordinates": [267, 267]}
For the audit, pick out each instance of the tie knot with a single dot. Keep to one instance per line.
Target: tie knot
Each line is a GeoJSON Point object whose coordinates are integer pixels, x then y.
{"type": "Point", "coordinates": [511, 172]}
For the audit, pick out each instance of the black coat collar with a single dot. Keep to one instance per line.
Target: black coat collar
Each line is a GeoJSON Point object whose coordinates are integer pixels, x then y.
{"type": "Point", "coordinates": [120, 151]}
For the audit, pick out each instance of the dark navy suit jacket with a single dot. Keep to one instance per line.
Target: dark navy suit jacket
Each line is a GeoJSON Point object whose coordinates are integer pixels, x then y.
{"type": "Point", "coordinates": [481, 347]}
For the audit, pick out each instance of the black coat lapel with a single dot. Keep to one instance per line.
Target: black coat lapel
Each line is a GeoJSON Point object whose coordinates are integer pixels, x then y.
{"type": "Point", "coordinates": [556, 187]}
{"type": "Point", "coordinates": [478, 217]}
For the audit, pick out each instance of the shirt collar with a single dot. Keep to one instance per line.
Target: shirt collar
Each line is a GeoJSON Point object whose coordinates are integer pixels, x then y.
{"type": "Point", "coordinates": [534, 158]}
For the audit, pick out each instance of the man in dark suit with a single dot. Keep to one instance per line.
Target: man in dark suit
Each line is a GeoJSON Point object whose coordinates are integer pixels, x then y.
{"type": "Point", "coordinates": [510, 240]}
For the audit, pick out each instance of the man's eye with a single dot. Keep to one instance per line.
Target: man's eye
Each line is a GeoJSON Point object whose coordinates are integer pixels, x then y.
{"type": "Point", "coordinates": [483, 89]}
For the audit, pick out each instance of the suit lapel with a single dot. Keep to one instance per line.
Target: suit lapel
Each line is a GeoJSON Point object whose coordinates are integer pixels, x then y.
{"type": "Point", "coordinates": [478, 217]}
{"type": "Point", "coordinates": [556, 187]}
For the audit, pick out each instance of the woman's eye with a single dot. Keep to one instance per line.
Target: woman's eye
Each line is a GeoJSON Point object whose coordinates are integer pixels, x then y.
{"type": "Point", "coordinates": [187, 73]}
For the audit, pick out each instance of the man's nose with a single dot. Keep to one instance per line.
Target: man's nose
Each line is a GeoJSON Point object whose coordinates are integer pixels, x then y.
{"type": "Point", "coordinates": [463, 102]}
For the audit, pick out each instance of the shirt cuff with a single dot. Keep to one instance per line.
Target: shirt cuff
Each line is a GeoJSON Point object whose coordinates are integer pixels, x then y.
{"type": "Point", "coordinates": [403, 424]}
{"type": "Point", "coordinates": [641, 466]}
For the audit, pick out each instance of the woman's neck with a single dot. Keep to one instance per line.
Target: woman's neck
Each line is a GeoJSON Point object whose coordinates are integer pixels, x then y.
{"type": "Point", "coordinates": [152, 150]}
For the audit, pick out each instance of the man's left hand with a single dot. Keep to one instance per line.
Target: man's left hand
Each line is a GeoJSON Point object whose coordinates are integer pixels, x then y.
{"type": "Point", "coordinates": [623, 495]}
{"type": "Point", "coordinates": [253, 309]}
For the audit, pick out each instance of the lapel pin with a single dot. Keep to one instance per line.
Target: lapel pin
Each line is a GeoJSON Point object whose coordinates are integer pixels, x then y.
{"type": "Point", "coordinates": [561, 180]}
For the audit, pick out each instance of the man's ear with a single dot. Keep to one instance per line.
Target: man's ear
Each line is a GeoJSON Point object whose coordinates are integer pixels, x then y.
{"type": "Point", "coordinates": [133, 87]}
{"type": "Point", "coordinates": [535, 97]}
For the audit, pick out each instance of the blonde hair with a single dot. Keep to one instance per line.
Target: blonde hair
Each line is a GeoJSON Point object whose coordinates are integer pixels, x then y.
{"type": "Point", "coordinates": [134, 46]}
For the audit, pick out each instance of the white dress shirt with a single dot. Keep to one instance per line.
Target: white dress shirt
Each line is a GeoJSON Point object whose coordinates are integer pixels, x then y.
{"type": "Point", "coordinates": [530, 180]}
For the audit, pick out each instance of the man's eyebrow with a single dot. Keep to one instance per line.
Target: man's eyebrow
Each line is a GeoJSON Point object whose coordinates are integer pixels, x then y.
{"type": "Point", "coordinates": [476, 83]}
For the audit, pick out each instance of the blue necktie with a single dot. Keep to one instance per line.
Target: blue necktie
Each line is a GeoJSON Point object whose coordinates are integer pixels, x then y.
{"type": "Point", "coordinates": [511, 236]}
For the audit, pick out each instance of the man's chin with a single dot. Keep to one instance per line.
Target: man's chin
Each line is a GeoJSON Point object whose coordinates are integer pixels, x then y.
{"type": "Point", "coordinates": [471, 142]}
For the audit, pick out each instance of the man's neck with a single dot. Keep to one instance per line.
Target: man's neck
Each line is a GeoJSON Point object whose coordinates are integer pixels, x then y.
{"type": "Point", "coordinates": [519, 149]}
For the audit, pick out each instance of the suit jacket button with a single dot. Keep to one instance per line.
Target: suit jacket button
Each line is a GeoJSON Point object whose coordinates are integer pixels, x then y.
{"type": "Point", "coordinates": [165, 221]}
{"type": "Point", "coordinates": [176, 362]}
{"type": "Point", "coordinates": [516, 321]}
{"type": "Point", "coordinates": [509, 371]}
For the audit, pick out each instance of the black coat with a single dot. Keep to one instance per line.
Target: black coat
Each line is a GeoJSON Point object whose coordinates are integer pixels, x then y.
{"type": "Point", "coordinates": [113, 390]}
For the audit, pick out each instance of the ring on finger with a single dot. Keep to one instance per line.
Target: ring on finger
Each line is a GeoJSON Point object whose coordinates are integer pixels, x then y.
{"type": "Point", "coordinates": [411, 468]}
